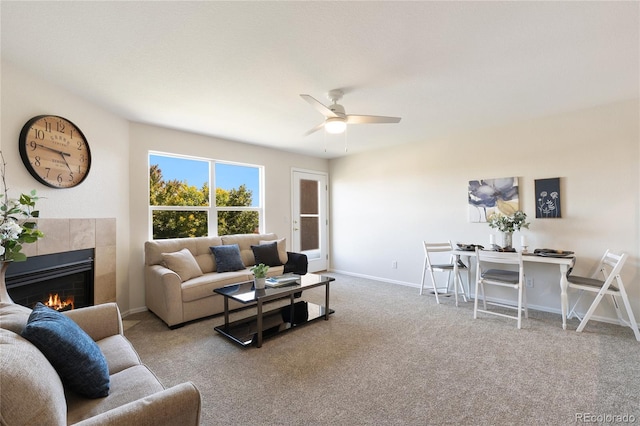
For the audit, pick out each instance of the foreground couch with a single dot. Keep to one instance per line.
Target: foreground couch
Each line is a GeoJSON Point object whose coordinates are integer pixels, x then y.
{"type": "Point", "coordinates": [32, 391]}
{"type": "Point", "coordinates": [179, 283]}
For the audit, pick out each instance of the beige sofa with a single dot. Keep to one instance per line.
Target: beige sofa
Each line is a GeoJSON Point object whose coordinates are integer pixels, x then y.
{"type": "Point", "coordinates": [176, 300]}
{"type": "Point", "coordinates": [32, 393]}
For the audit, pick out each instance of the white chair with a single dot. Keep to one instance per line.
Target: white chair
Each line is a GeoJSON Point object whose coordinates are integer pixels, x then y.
{"type": "Point", "coordinates": [609, 268]}
{"type": "Point", "coordinates": [490, 270]}
{"type": "Point", "coordinates": [431, 251]}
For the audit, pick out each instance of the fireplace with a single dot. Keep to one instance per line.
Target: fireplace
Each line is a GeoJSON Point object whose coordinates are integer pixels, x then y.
{"type": "Point", "coordinates": [68, 275]}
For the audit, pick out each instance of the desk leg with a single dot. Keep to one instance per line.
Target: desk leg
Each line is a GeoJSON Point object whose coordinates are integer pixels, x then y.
{"type": "Point", "coordinates": [564, 300]}
{"type": "Point", "coordinates": [259, 320]}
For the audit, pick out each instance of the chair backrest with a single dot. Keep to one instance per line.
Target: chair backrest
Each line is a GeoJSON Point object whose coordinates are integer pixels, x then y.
{"type": "Point", "coordinates": [431, 248]}
{"type": "Point", "coordinates": [610, 265]}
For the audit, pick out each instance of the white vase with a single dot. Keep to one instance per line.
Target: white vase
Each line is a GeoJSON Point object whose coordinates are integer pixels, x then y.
{"type": "Point", "coordinates": [4, 295]}
{"type": "Point", "coordinates": [507, 240]}
{"type": "Point", "coordinates": [259, 283]}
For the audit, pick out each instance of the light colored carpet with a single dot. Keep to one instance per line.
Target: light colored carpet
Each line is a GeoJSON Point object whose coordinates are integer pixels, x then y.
{"type": "Point", "coordinates": [390, 356]}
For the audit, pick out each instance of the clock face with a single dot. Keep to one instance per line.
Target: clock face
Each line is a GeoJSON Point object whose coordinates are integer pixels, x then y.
{"type": "Point", "coordinates": [55, 151]}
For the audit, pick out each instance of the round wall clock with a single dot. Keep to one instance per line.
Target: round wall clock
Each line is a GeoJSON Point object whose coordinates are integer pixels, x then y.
{"type": "Point", "coordinates": [55, 151]}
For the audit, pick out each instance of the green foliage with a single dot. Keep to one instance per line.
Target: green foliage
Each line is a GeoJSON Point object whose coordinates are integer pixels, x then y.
{"type": "Point", "coordinates": [182, 224]}
{"type": "Point", "coordinates": [16, 227]}
{"type": "Point", "coordinates": [260, 271]}
{"type": "Point", "coordinates": [509, 223]}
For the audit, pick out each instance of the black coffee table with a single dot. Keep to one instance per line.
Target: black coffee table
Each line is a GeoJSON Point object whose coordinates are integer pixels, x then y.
{"type": "Point", "coordinates": [253, 329]}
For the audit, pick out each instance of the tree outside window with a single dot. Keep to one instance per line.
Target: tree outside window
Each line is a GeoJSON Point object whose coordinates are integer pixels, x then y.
{"type": "Point", "coordinates": [180, 209]}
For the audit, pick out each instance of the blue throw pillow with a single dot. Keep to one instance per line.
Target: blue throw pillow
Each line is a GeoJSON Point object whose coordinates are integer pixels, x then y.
{"type": "Point", "coordinates": [228, 258]}
{"type": "Point", "coordinates": [72, 353]}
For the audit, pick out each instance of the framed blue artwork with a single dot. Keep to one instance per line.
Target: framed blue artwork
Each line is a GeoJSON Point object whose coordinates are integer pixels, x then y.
{"type": "Point", "coordinates": [548, 205]}
{"type": "Point", "coordinates": [492, 196]}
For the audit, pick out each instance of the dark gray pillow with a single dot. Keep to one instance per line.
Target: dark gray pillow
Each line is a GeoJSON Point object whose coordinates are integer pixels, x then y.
{"type": "Point", "coordinates": [267, 254]}
{"type": "Point", "coordinates": [227, 258]}
{"type": "Point", "coordinates": [72, 353]}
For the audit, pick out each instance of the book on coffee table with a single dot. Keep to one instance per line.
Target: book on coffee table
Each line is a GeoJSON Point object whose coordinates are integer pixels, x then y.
{"type": "Point", "coordinates": [282, 280]}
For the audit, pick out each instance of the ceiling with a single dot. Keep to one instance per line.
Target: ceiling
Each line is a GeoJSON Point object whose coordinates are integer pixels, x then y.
{"type": "Point", "coordinates": [235, 70]}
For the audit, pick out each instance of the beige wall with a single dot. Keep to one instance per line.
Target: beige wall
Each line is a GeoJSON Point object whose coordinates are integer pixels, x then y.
{"type": "Point", "coordinates": [105, 192]}
{"type": "Point", "coordinates": [277, 164]}
{"type": "Point", "coordinates": [385, 203]}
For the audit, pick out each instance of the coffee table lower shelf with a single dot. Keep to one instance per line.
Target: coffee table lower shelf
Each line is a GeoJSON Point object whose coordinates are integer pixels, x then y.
{"type": "Point", "coordinates": [245, 330]}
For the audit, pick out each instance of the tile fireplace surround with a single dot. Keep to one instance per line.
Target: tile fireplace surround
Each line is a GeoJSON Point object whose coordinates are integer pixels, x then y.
{"type": "Point", "coordinates": [61, 235]}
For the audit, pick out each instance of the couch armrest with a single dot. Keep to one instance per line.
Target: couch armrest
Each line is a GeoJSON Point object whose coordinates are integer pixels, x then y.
{"type": "Point", "coordinates": [296, 263]}
{"type": "Point", "coordinates": [163, 294]}
{"type": "Point", "coordinates": [99, 321]}
{"type": "Point", "coordinates": [179, 405]}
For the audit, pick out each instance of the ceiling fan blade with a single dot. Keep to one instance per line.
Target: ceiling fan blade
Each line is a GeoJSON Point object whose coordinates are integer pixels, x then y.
{"type": "Point", "coordinates": [371, 119]}
{"type": "Point", "coordinates": [319, 106]}
{"type": "Point", "coordinates": [315, 129]}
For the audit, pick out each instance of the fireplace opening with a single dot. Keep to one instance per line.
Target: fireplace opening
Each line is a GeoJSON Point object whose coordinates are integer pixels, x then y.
{"type": "Point", "coordinates": [64, 280]}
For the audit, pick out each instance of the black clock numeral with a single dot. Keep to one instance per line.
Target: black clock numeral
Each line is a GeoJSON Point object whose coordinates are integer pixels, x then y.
{"type": "Point", "coordinates": [60, 126]}
{"type": "Point", "coordinates": [47, 174]}
{"type": "Point", "coordinates": [33, 145]}
{"type": "Point", "coordinates": [39, 134]}
{"type": "Point", "coordinates": [80, 145]}
{"type": "Point", "coordinates": [59, 179]}
{"type": "Point", "coordinates": [36, 161]}
{"type": "Point", "coordinates": [47, 126]}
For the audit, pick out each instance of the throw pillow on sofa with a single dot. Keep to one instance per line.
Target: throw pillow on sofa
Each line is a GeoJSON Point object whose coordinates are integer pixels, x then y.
{"type": "Point", "coordinates": [282, 249]}
{"type": "Point", "coordinates": [267, 254]}
{"type": "Point", "coordinates": [182, 263]}
{"type": "Point", "coordinates": [74, 355]}
{"type": "Point", "coordinates": [228, 258]}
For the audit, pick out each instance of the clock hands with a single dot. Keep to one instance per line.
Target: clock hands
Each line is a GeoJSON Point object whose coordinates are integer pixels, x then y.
{"type": "Point", "coordinates": [62, 154]}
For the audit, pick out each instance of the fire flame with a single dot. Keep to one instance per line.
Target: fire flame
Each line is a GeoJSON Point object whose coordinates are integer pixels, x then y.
{"type": "Point", "coordinates": [56, 303]}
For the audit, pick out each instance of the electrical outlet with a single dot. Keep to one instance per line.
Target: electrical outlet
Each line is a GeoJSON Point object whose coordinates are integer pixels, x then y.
{"type": "Point", "coordinates": [394, 264]}
{"type": "Point", "coordinates": [529, 282]}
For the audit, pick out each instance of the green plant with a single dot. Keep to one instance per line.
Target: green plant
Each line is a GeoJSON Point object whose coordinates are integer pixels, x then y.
{"type": "Point", "coordinates": [260, 271]}
{"type": "Point", "coordinates": [509, 223]}
{"type": "Point", "coordinates": [15, 227]}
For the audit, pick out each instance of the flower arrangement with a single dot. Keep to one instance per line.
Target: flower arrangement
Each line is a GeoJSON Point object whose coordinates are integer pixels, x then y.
{"type": "Point", "coordinates": [16, 228]}
{"type": "Point", "coordinates": [260, 271]}
{"type": "Point", "coordinates": [509, 223]}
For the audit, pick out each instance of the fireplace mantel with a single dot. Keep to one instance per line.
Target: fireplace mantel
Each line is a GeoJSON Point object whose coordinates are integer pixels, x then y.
{"type": "Point", "coordinates": [62, 235]}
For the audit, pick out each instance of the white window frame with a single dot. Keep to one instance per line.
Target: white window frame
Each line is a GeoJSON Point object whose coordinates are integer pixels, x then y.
{"type": "Point", "coordinates": [211, 210]}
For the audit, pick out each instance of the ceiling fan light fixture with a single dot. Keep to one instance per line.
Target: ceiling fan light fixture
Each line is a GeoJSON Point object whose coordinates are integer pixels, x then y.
{"type": "Point", "coordinates": [335, 125]}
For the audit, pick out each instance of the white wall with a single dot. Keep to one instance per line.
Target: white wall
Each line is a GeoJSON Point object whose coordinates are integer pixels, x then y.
{"type": "Point", "coordinates": [105, 192]}
{"type": "Point", "coordinates": [278, 166]}
{"type": "Point", "coordinates": [385, 203]}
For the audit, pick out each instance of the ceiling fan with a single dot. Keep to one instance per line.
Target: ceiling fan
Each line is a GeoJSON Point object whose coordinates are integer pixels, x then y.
{"type": "Point", "coordinates": [336, 119]}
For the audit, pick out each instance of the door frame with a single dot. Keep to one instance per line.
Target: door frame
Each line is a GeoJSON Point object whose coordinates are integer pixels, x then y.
{"type": "Point", "coordinates": [320, 263]}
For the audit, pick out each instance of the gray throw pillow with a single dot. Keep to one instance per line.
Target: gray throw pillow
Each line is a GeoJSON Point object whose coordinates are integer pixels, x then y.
{"type": "Point", "coordinates": [227, 258]}
{"type": "Point", "coordinates": [72, 353]}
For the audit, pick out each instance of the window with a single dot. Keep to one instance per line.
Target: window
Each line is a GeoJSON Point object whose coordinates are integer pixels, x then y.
{"type": "Point", "coordinates": [180, 202]}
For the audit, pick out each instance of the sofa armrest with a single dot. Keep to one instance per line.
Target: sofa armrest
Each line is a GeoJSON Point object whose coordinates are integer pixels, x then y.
{"type": "Point", "coordinates": [178, 405]}
{"type": "Point", "coordinates": [297, 263]}
{"type": "Point", "coordinates": [163, 294]}
{"type": "Point", "coordinates": [98, 321]}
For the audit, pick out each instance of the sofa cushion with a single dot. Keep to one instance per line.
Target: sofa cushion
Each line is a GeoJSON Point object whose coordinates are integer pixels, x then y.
{"type": "Point", "coordinates": [74, 355]}
{"type": "Point", "coordinates": [126, 386]}
{"type": "Point", "coordinates": [14, 317]}
{"type": "Point", "coordinates": [32, 393]}
{"type": "Point", "coordinates": [119, 353]}
{"type": "Point", "coordinates": [282, 249]}
{"type": "Point", "coordinates": [228, 258]}
{"type": "Point", "coordinates": [201, 287]}
{"type": "Point", "coordinates": [267, 253]}
{"type": "Point", "coordinates": [182, 263]}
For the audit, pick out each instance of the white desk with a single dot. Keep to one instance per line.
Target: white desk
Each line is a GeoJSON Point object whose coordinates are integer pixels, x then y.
{"type": "Point", "coordinates": [563, 262]}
